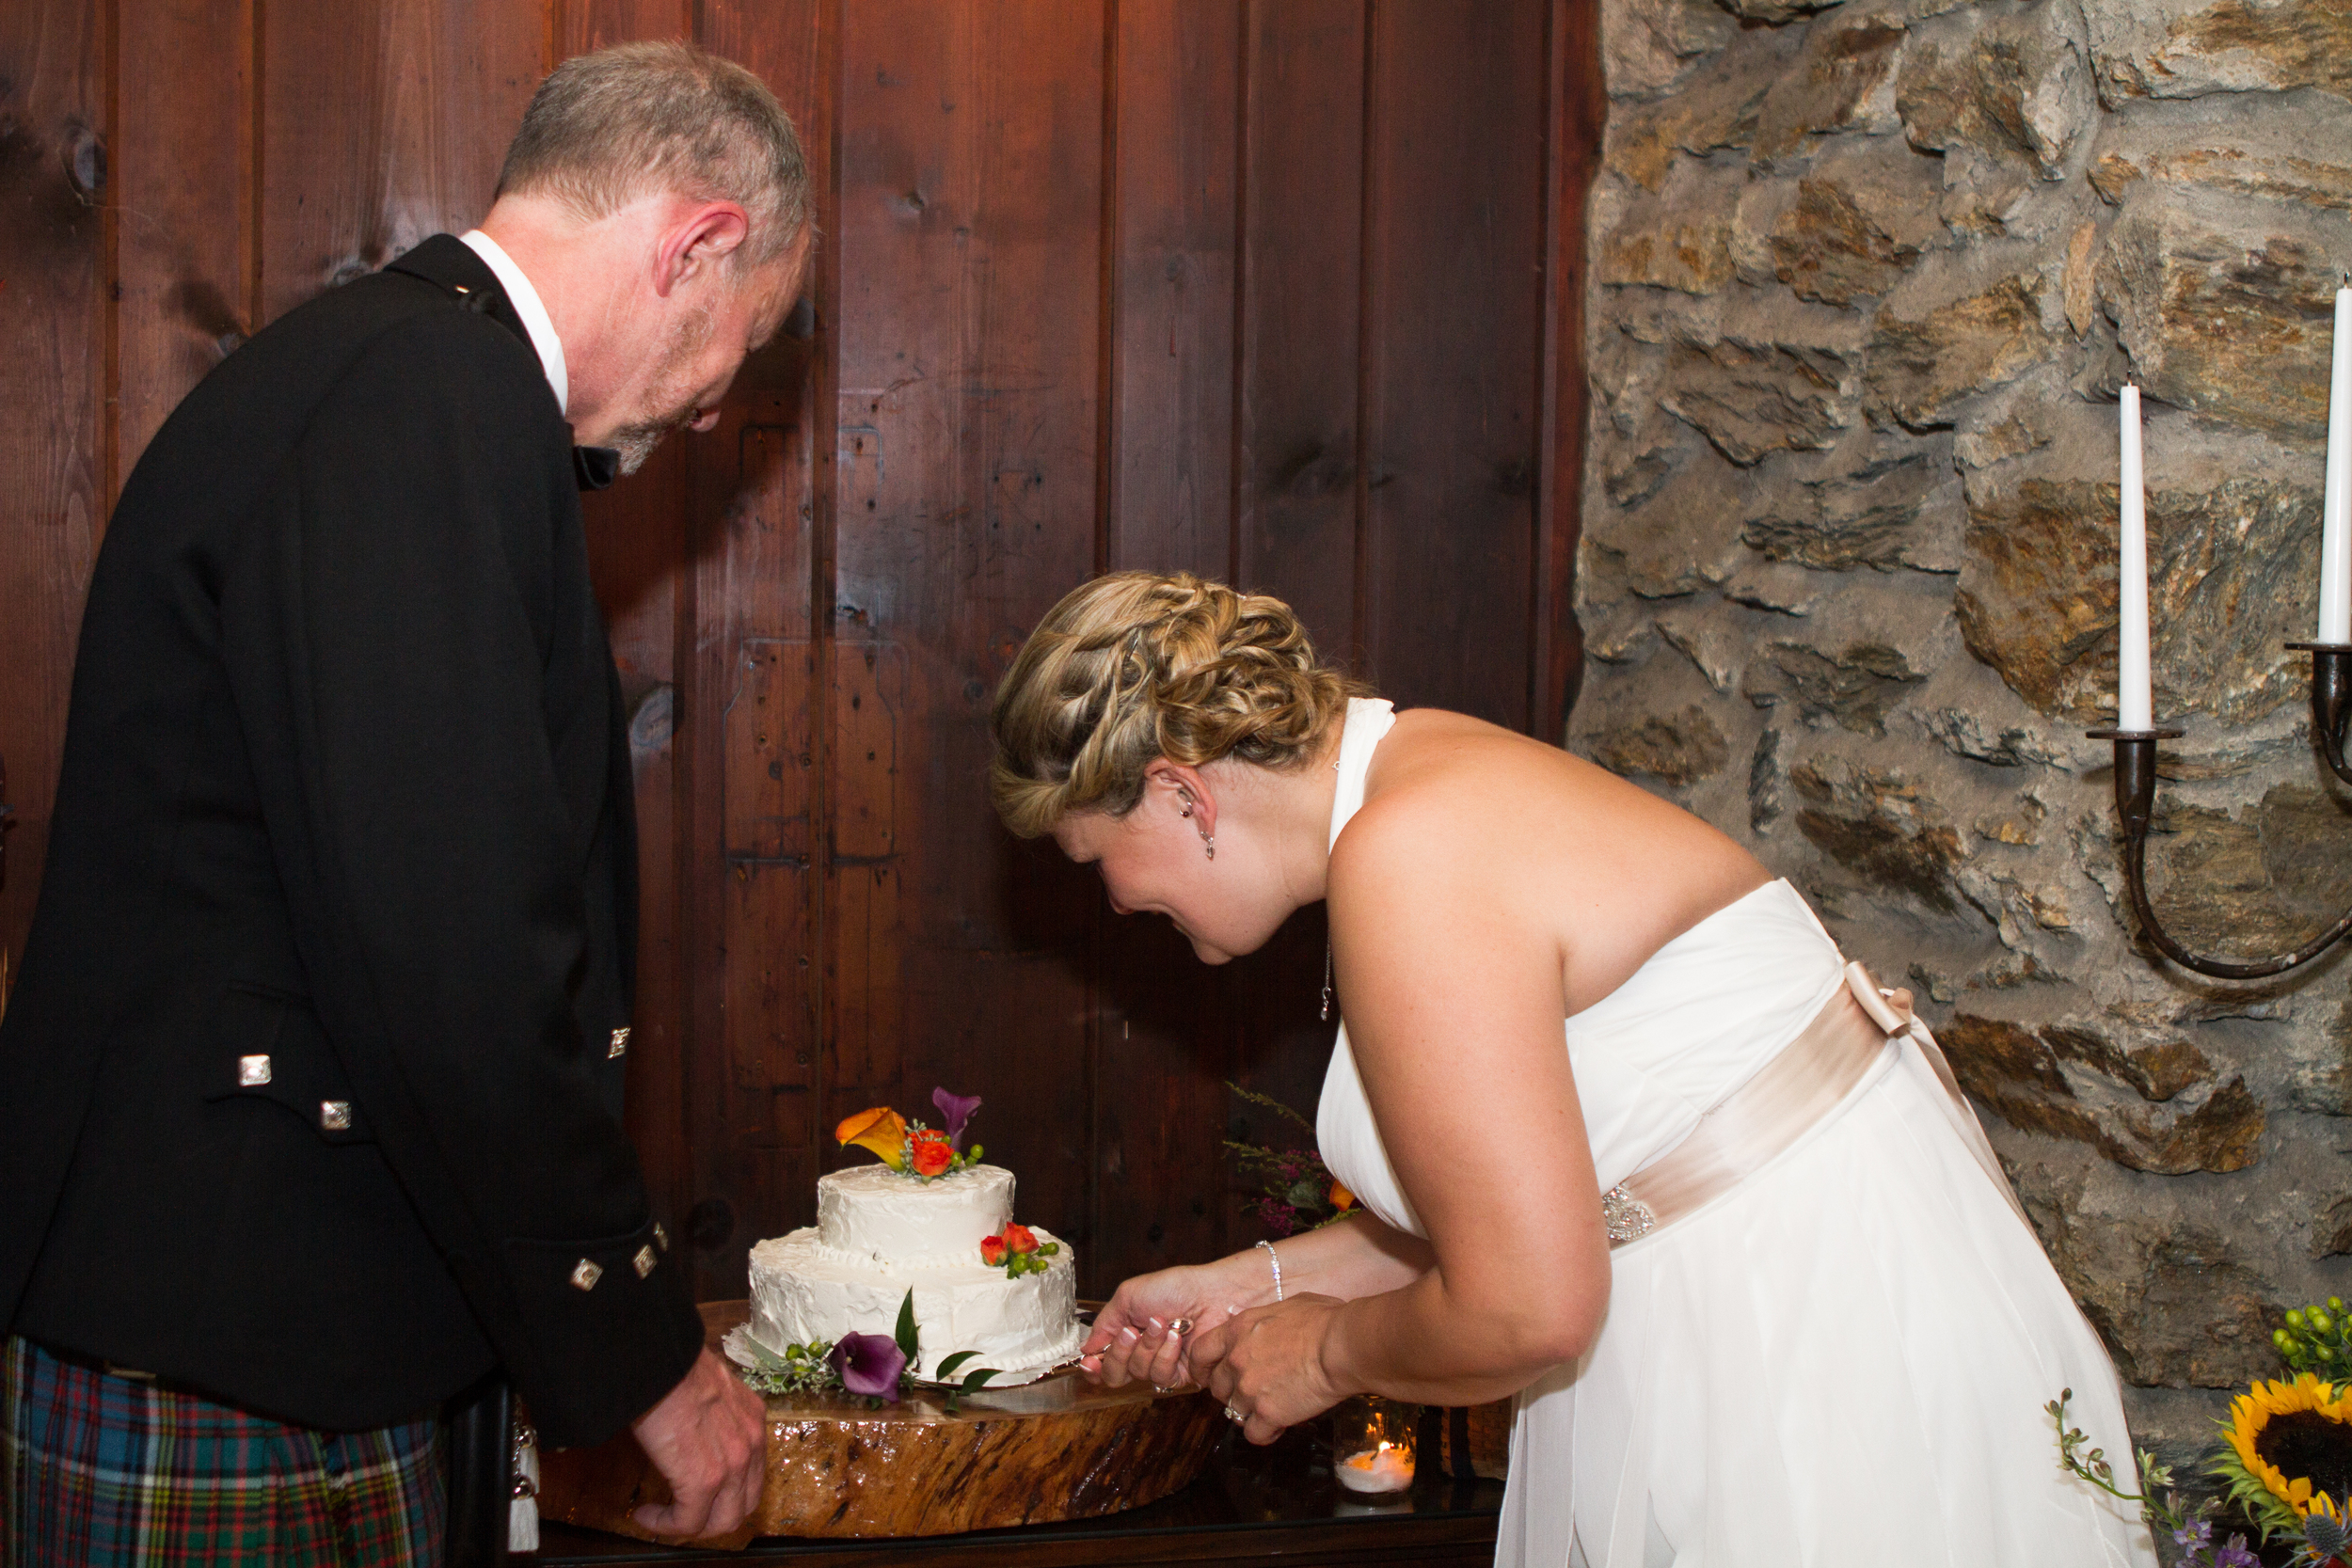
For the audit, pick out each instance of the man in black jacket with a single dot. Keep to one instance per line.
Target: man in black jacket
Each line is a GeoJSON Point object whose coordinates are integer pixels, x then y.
{"type": "Point", "coordinates": [309, 1088]}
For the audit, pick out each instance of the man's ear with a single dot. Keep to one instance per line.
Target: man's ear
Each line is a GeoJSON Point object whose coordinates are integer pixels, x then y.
{"type": "Point", "coordinates": [703, 236]}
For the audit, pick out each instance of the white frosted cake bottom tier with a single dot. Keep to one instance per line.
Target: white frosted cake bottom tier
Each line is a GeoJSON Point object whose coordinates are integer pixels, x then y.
{"type": "Point", "coordinates": [803, 1290]}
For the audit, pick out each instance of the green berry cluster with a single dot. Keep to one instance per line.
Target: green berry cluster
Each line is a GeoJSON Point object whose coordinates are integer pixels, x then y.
{"type": "Point", "coordinates": [2317, 1340]}
{"type": "Point", "coordinates": [1019, 1263]}
{"type": "Point", "coordinates": [800, 1370]}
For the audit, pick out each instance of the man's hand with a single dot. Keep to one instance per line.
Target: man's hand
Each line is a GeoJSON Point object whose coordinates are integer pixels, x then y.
{"type": "Point", "coordinates": [708, 1438]}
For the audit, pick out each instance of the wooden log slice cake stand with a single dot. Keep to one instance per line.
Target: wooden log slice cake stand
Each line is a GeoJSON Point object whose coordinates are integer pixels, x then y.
{"type": "Point", "coordinates": [1057, 1449]}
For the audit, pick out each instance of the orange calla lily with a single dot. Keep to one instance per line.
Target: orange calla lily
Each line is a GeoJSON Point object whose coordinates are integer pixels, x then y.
{"type": "Point", "coordinates": [881, 1130]}
{"type": "Point", "coordinates": [1341, 1199]}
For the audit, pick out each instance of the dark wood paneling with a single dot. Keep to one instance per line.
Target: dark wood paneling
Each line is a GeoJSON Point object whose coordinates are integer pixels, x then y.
{"type": "Point", "coordinates": [1172, 148]}
{"type": "Point", "coordinates": [760, 791]}
{"type": "Point", "coordinates": [971, 148]}
{"type": "Point", "coordinates": [1164, 1041]}
{"type": "Point", "coordinates": [383, 123]}
{"type": "Point", "coordinates": [1297, 431]}
{"type": "Point", "coordinates": [53, 342]}
{"type": "Point", "coordinates": [1453, 254]}
{"type": "Point", "coordinates": [1301, 326]}
{"type": "Point", "coordinates": [183, 165]}
{"type": "Point", "coordinates": [580, 26]}
{"type": "Point", "coordinates": [752, 925]}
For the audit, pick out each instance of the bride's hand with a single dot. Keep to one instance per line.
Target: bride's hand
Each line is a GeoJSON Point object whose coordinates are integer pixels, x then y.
{"type": "Point", "coordinates": [1266, 1365]}
{"type": "Point", "coordinates": [1131, 1341]}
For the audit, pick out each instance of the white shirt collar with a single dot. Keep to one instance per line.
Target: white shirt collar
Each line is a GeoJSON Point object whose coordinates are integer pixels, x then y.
{"type": "Point", "coordinates": [528, 305]}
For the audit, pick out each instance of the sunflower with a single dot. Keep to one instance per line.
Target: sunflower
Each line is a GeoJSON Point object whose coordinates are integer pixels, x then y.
{"type": "Point", "coordinates": [2288, 1451]}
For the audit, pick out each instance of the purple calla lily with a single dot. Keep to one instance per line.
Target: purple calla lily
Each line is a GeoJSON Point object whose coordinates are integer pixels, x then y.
{"type": "Point", "coordinates": [869, 1364]}
{"type": "Point", "coordinates": [955, 1110]}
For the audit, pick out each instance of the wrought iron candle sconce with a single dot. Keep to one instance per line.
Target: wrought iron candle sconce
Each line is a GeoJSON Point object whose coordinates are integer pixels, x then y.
{"type": "Point", "coordinates": [2134, 802]}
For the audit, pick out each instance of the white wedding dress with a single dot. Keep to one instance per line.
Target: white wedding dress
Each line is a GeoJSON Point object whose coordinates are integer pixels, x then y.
{"type": "Point", "coordinates": [1839, 1363]}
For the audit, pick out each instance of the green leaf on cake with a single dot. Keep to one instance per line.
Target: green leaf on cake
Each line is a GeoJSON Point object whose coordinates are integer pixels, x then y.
{"type": "Point", "coordinates": [906, 1335]}
{"type": "Point", "coordinates": [971, 1380]}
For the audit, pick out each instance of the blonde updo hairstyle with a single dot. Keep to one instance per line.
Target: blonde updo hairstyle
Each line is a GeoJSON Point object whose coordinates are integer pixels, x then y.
{"type": "Point", "coordinates": [1136, 666]}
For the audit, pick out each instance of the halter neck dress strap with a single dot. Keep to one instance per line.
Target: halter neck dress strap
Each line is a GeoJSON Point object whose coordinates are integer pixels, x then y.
{"type": "Point", "coordinates": [1369, 720]}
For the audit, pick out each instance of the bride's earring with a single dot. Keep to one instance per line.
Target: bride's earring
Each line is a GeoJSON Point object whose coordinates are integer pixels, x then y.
{"type": "Point", "coordinates": [1208, 839]}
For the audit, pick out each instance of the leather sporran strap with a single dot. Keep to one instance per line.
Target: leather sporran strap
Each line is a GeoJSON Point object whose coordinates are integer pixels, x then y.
{"type": "Point", "coordinates": [1794, 1093]}
{"type": "Point", "coordinates": [479, 1442]}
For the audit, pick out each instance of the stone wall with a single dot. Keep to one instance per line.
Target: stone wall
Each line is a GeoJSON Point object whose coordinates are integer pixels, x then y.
{"type": "Point", "coordinates": [1866, 277]}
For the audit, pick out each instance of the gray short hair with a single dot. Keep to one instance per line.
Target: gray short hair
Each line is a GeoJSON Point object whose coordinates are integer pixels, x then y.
{"type": "Point", "coordinates": [607, 129]}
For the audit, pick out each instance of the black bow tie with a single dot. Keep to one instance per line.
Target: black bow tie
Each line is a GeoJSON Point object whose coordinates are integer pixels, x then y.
{"type": "Point", "coordinates": [595, 467]}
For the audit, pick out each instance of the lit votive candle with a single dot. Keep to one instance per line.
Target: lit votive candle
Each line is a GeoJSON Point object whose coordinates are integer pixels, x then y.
{"type": "Point", "coordinates": [1386, 1468]}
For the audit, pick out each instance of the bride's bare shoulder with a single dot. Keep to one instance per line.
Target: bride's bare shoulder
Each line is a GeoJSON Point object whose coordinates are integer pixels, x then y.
{"type": "Point", "coordinates": [1455, 795]}
{"type": "Point", "coordinates": [1435, 766]}
{"type": "Point", "coordinates": [1442, 785]}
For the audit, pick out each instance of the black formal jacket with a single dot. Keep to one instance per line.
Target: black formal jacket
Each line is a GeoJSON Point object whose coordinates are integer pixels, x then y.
{"type": "Point", "coordinates": [309, 1085]}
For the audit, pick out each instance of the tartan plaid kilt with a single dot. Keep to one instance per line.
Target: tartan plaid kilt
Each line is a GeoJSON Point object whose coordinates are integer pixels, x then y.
{"type": "Point", "coordinates": [112, 1472]}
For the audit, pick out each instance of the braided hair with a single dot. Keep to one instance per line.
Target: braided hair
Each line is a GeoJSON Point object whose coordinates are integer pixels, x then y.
{"type": "Point", "coordinates": [1140, 665]}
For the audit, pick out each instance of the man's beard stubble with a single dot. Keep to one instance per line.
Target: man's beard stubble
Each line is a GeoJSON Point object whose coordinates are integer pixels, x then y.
{"type": "Point", "coordinates": [668, 406]}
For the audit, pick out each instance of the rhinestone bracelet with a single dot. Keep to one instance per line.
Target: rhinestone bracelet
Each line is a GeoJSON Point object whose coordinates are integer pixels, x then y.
{"type": "Point", "coordinates": [1275, 1259]}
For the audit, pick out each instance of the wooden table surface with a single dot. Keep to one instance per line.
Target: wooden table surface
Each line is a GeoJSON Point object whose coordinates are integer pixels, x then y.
{"type": "Point", "coordinates": [1277, 1505]}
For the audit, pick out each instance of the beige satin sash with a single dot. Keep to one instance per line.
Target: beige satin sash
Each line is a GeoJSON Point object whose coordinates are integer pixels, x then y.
{"type": "Point", "coordinates": [1794, 1093]}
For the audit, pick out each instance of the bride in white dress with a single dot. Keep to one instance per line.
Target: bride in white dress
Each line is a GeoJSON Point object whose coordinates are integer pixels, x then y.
{"type": "Point", "coordinates": [1740, 1248]}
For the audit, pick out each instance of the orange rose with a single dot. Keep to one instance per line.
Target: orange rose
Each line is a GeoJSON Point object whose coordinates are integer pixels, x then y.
{"type": "Point", "coordinates": [992, 1250]}
{"type": "Point", "coordinates": [1341, 1199]}
{"type": "Point", "coordinates": [881, 1130]}
{"type": "Point", "coordinates": [1020, 1238]}
{"type": "Point", "coordinates": [932, 1154]}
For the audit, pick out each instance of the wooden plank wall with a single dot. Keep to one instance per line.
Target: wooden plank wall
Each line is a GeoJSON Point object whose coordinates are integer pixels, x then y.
{"type": "Point", "coordinates": [1284, 291]}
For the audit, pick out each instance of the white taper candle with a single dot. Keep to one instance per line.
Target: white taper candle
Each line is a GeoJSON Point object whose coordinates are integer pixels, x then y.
{"type": "Point", "coordinates": [2335, 507]}
{"type": "Point", "coordinates": [2135, 709]}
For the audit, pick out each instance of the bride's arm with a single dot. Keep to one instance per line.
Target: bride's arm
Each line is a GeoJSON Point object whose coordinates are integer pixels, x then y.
{"type": "Point", "coordinates": [1355, 1256]}
{"type": "Point", "coordinates": [1358, 1256]}
{"type": "Point", "coordinates": [1451, 976]}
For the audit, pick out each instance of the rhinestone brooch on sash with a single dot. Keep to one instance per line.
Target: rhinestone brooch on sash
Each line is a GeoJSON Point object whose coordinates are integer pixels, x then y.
{"type": "Point", "coordinates": [1626, 1216]}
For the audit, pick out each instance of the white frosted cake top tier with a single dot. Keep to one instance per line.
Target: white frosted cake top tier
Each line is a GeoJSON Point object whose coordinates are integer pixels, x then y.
{"type": "Point", "coordinates": [872, 1212]}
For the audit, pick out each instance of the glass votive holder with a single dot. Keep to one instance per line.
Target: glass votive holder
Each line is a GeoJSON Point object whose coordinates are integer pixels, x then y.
{"type": "Point", "coordinates": [1372, 1442]}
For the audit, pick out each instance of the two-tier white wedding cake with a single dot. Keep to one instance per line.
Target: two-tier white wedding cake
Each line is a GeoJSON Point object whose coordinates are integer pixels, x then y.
{"type": "Point", "coordinates": [879, 1233]}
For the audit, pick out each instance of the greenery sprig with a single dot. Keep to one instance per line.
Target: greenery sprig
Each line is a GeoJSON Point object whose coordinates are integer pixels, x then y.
{"type": "Point", "coordinates": [800, 1370]}
{"type": "Point", "coordinates": [1299, 1193]}
{"type": "Point", "coordinates": [2091, 1464]}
